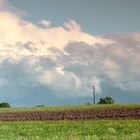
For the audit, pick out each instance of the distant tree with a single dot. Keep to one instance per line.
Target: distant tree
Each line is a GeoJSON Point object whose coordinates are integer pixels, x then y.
{"type": "Point", "coordinates": [5, 104]}
{"type": "Point", "coordinates": [106, 100]}
{"type": "Point", "coordinates": [40, 105]}
{"type": "Point", "coordinates": [88, 103]}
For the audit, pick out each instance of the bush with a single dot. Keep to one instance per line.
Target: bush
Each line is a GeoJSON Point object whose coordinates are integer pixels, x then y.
{"type": "Point", "coordinates": [40, 105]}
{"type": "Point", "coordinates": [5, 104]}
{"type": "Point", "coordinates": [106, 100]}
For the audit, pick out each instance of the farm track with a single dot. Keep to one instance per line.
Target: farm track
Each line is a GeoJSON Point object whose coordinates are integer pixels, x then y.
{"type": "Point", "coordinates": [92, 114]}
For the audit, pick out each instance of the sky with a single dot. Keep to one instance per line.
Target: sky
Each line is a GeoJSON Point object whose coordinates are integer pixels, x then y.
{"type": "Point", "coordinates": [97, 17]}
{"type": "Point", "coordinates": [53, 51]}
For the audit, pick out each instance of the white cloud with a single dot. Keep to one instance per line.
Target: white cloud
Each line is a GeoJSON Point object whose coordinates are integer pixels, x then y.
{"type": "Point", "coordinates": [72, 26]}
{"type": "Point", "coordinates": [55, 79]}
{"type": "Point", "coordinates": [41, 39]}
{"type": "Point", "coordinates": [46, 23]}
{"type": "Point", "coordinates": [96, 82]}
{"type": "Point", "coordinates": [111, 69]}
{"type": "Point", "coordinates": [60, 70]}
{"type": "Point", "coordinates": [65, 57]}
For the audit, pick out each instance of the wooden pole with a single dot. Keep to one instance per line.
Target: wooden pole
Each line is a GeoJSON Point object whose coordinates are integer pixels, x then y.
{"type": "Point", "coordinates": [94, 100]}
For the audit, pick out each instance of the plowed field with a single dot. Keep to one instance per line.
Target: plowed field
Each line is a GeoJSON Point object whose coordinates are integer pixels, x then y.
{"type": "Point", "coordinates": [89, 114]}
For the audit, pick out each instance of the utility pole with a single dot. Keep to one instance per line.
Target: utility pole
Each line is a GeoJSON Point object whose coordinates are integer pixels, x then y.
{"type": "Point", "coordinates": [93, 94]}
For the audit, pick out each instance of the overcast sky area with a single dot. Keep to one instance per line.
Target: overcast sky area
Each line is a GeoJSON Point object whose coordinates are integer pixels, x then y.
{"type": "Point", "coordinates": [53, 51]}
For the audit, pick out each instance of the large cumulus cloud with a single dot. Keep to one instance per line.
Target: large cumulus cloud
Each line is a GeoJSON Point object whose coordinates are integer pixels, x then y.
{"type": "Point", "coordinates": [65, 58]}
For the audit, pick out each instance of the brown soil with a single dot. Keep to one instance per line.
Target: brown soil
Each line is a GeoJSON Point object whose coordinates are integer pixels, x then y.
{"type": "Point", "coordinates": [129, 113]}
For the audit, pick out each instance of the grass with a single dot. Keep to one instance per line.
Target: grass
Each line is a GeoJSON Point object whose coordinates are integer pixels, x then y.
{"type": "Point", "coordinates": [71, 130]}
{"type": "Point", "coordinates": [63, 108]}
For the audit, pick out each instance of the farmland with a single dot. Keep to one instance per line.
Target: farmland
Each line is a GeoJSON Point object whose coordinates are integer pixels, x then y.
{"type": "Point", "coordinates": [72, 113]}
{"type": "Point", "coordinates": [105, 122]}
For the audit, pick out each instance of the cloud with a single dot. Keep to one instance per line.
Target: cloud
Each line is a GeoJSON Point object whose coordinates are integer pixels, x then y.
{"type": "Point", "coordinates": [65, 58]}
{"type": "Point", "coordinates": [19, 32]}
{"type": "Point", "coordinates": [72, 26]}
{"type": "Point", "coordinates": [46, 23]}
{"type": "Point", "coordinates": [55, 79]}
{"type": "Point", "coordinates": [2, 3]}
{"type": "Point", "coordinates": [6, 6]}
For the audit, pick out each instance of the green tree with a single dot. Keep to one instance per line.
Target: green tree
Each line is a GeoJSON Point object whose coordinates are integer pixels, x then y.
{"type": "Point", "coordinates": [106, 100]}
{"type": "Point", "coordinates": [5, 104]}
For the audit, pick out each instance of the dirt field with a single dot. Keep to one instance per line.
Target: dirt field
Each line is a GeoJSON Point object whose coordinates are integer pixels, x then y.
{"type": "Point", "coordinates": [112, 114]}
